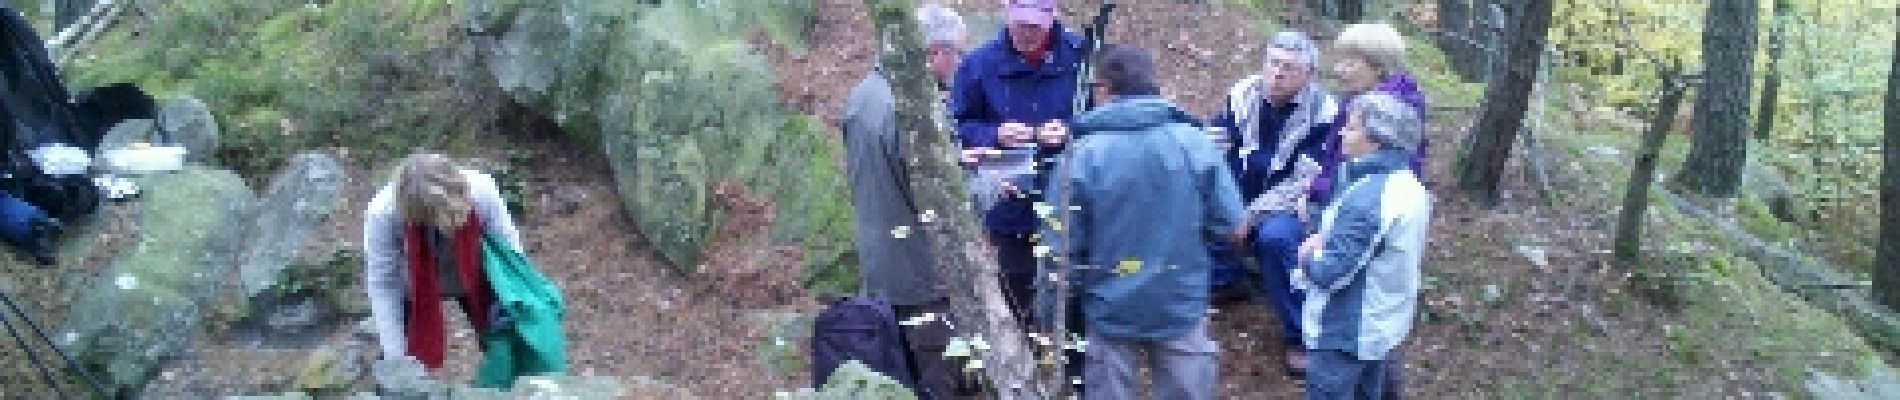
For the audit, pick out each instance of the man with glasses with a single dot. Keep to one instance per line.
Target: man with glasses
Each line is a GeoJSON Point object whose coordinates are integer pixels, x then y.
{"type": "Point", "coordinates": [1278, 122]}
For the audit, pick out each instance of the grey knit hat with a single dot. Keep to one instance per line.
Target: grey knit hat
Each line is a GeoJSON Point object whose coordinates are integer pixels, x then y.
{"type": "Point", "coordinates": [1389, 121]}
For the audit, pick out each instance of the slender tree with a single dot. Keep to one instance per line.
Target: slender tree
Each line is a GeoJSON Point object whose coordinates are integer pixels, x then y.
{"type": "Point", "coordinates": [1459, 34]}
{"type": "Point", "coordinates": [66, 12]}
{"type": "Point", "coordinates": [1506, 98]}
{"type": "Point", "coordinates": [1887, 268]}
{"type": "Point", "coordinates": [1719, 149]}
{"type": "Point", "coordinates": [1629, 228]}
{"type": "Point", "coordinates": [1771, 84]}
{"type": "Point", "coordinates": [976, 298]}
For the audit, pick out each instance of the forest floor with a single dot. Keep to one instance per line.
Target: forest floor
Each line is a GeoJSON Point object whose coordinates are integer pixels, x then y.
{"type": "Point", "coordinates": [1521, 300]}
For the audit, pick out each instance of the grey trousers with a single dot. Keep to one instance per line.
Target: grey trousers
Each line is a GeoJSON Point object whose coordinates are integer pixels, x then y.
{"type": "Point", "coordinates": [1184, 368]}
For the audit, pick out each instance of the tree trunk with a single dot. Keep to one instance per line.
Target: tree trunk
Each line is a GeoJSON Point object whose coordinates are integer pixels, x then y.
{"type": "Point", "coordinates": [1349, 11]}
{"type": "Point", "coordinates": [1719, 148]}
{"type": "Point", "coordinates": [1457, 36]}
{"type": "Point", "coordinates": [1887, 268]}
{"type": "Point", "coordinates": [66, 12]}
{"type": "Point", "coordinates": [1506, 98]}
{"type": "Point", "coordinates": [1771, 84]}
{"type": "Point", "coordinates": [1629, 226]}
{"type": "Point", "coordinates": [970, 272]}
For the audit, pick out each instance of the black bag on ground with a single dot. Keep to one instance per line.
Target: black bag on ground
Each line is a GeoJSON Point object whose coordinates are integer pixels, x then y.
{"type": "Point", "coordinates": [36, 111]}
{"type": "Point", "coordinates": [859, 328]}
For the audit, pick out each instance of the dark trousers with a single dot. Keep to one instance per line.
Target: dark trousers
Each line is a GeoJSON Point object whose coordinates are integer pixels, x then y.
{"type": "Point", "coordinates": [1016, 257]}
{"type": "Point", "coordinates": [1276, 243]}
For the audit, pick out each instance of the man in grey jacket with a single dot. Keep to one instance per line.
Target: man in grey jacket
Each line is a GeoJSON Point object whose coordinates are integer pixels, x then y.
{"type": "Point", "coordinates": [894, 257]}
{"type": "Point", "coordinates": [1137, 197]}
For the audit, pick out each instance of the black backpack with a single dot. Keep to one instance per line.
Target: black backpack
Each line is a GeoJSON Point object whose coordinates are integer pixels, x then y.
{"type": "Point", "coordinates": [859, 328]}
{"type": "Point", "coordinates": [36, 110]}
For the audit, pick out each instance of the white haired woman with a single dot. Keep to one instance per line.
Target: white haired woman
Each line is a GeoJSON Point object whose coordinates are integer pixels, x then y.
{"type": "Point", "coordinates": [422, 236]}
{"type": "Point", "coordinates": [1370, 58]}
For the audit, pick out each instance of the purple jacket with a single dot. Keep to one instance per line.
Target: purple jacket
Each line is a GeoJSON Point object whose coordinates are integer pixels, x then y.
{"type": "Point", "coordinates": [1398, 84]}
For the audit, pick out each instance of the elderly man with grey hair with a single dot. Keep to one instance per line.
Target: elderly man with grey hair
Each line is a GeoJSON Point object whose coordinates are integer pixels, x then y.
{"type": "Point", "coordinates": [1279, 122]}
{"type": "Point", "coordinates": [945, 36]}
{"type": "Point", "coordinates": [1361, 271]}
{"type": "Point", "coordinates": [894, 257]}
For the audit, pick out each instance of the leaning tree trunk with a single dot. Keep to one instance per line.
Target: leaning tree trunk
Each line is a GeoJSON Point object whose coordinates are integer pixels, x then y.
{"type": "Point", "coordinates": [1719, 149]}
{"type": "Point", "coordinates": [1771, 84]}
{"type": "Point", "coordinates": [970, 274]}
{"type": "Point", "coordinates": [1887, 269]}
{"type": "Point", "coordinates": [1506, 98]}
{"type": "Point", "coordinates": [1629, 226]}
{"type": "Point", "coordinates": [66, 12]}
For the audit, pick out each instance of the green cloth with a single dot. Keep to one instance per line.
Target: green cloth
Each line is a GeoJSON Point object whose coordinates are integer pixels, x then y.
{"type": "Point", "coordinates": [530, 342]}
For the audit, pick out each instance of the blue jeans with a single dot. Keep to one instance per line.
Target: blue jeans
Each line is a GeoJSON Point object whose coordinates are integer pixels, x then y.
{"type": "Point", "coordinates": [1335, 374]}
{"type": "Point", "coordinates": [1276, 244]}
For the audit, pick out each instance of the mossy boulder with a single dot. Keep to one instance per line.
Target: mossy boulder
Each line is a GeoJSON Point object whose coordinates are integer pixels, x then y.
{"type": "Point", "coordinates": [149, 303]}
{"type": "Point", "coordinates": [679, 101]}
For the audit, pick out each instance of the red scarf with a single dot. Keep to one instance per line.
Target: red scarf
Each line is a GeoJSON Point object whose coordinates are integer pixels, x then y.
{"type": "Point", "coordinates": [424, 330]}
{"type": "Point", "coordinates": [1035, 57]}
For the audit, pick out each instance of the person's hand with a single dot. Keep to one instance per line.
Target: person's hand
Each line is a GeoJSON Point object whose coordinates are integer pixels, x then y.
{"type": "Point", "coordinates": [1309, 248]}
{"type": "Point", "coordinates": [1011, 189]}
{"type": "Point", "coordinates": [1011, 134]}
{"type": "Point", "coordinates": [971, 156]}
{"type": "Point", "coordinates": [1053, 134]}
{"type": "Point", "coordinates": [1241, 231]}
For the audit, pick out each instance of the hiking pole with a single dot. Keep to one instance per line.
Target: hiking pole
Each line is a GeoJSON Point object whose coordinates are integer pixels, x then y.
{"type": "Point", "coordinates": [84, 376]}
{"type": "Point", "coordinates": [1091, 43]}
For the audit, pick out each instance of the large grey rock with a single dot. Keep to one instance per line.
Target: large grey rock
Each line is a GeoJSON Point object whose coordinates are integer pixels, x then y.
{"type": "Point", "coordinates": [523, 62]}
{"type": "Point", "coordinates": [299, 199]}
{"type": "Point", "coordinates": [1880, 382]}
{"type": "Point", "coordinates": [403, 378]}
{"type": "Point", "coordinates": [333, 368]}
{"type": "Point", "coordinates": [128, 132]}
{"type": "Point", "coordinates": [679, 101]}
{"type": "Point", "coordinates": [149, 303]}
{"type": "Point", "coordinates": [189, 122]}
{"type": "Point", "coordinates": [851, 381]}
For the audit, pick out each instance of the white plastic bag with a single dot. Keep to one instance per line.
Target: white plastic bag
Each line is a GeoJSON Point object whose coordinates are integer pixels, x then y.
{"type": "Point", "coordinates": [145, 159]}
{"type": "Point", "coordinates": [59, 159]}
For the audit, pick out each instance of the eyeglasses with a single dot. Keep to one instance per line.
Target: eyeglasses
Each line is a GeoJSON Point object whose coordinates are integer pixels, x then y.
{"type": "Point", "coordinates": [1285, 64]}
